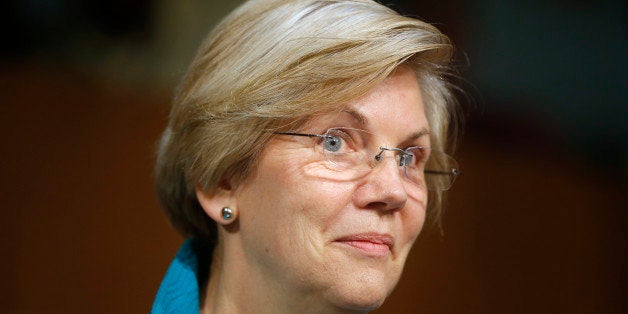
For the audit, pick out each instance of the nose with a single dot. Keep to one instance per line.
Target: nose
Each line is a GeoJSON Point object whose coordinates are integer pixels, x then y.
{"type": "Point", "coordinates": [383, 188]}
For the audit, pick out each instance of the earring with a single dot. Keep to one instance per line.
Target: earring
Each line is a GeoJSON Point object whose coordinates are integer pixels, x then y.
{"type": "Point", "coordinates": [226, 213]}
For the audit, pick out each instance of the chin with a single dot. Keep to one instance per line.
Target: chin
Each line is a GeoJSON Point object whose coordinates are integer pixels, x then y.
{"type": "Point", "coordinates": [363, 303]}
{"type": "Point", "coordinates": [362, 296]}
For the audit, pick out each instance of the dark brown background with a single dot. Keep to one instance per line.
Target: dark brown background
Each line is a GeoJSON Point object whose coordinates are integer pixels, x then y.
{"type": "Point", "coordinates": [535, 225]}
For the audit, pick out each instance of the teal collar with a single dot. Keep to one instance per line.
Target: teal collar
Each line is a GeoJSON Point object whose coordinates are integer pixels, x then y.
{"type": "Point", "coordinates": [179, 290]}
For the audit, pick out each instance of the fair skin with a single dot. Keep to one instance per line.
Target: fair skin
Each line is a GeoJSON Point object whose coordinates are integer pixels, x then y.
{"type": "Point", "coordinates": [304, 243]}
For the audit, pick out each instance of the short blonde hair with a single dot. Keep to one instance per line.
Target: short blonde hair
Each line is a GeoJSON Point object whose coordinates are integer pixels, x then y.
{"type": "Point", "coordinates": [271, 64]}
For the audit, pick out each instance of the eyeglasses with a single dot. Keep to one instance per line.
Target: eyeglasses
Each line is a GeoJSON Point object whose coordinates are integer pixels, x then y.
{"type": "Point", "coordinates": [349, 156]}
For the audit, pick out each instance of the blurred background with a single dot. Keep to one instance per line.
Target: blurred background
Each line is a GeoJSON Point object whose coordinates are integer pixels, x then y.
{"type": "Point", "coordinates": [535, 225]}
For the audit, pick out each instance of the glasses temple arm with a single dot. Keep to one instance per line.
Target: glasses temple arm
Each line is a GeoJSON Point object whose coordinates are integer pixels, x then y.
{"type": "Point", "coordinates": [453, 171]}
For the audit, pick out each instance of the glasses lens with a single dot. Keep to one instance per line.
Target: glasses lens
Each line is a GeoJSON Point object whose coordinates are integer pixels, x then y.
{"type": "Point", "coordinates": [348, 157]}
{"type": "Point", "coordinates": [440, 171]}
{"type": "Point", "coordinates": [345, 148]}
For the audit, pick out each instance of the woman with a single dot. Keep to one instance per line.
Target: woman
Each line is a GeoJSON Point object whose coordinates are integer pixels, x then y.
{"type": "Point", "coordinates": [301, 148]}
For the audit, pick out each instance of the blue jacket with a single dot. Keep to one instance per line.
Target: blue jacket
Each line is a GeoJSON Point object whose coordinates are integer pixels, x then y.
{"type": "Point", "coordinates": [179, 290]}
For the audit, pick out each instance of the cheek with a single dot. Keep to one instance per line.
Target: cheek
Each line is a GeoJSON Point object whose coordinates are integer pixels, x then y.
{"type": "Point", "coordinates": [290, 199]}
{"type": "Point", "coordinates": [286, 216]}
{"type": "Point", "coordinates": [413, 219]}
{"type": "Point", "coordinates": [306, 187]}
{"type": "Point", "coordinates": [414, 224]}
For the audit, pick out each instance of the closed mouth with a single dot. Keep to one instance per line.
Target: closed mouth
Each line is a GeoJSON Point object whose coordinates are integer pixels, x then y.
{"type": "Point", "coordinates": [375, 244]}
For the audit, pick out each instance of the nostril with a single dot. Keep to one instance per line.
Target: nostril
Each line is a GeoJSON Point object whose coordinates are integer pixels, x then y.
{"type": "Point", "coordinates": [376, 205]}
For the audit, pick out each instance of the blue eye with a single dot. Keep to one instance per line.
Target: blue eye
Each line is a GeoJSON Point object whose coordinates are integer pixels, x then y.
{"type": "Point", "coordinates": [332, 143]}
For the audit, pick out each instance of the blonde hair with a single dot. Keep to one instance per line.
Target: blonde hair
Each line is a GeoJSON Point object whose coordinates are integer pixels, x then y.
{"type": "Point", "coordinates": [271, 64]}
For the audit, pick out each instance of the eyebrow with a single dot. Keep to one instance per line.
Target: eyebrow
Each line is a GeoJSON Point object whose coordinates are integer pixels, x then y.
{"type": "Point", "coordinates": [423, 132]}
{"type": "Point", "coordinates": [361, 119]}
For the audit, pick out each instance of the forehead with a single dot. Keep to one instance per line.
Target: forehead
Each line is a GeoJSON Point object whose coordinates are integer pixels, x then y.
{"type": "Point", "coordinates": [396, 103]}
{"type": "Point", "coordinates": [398, 97]}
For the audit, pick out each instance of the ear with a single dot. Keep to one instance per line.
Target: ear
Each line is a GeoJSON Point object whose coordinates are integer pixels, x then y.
{"type": "Point", "coordinates": [217, 202]}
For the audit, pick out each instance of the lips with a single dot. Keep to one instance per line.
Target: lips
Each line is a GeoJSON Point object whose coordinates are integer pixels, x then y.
{"type": "Point", "coordinates": [372, 244]}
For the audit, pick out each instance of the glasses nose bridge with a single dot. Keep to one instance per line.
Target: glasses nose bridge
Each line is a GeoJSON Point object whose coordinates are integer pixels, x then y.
{"type": "Point", "coordinates": [398, 154]}
{"type": "Point", "coordinates": [379, 159]}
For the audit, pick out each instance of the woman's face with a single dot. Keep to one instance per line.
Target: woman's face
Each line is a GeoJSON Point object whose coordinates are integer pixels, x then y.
{"type": "Point", "coordinates": [327, 242]}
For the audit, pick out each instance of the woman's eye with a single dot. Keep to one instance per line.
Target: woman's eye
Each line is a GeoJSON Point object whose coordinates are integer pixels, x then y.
{"type": "Point", "coordinates": [332, 143]}
{"type": "Point", "coordinates": [415, 156]}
